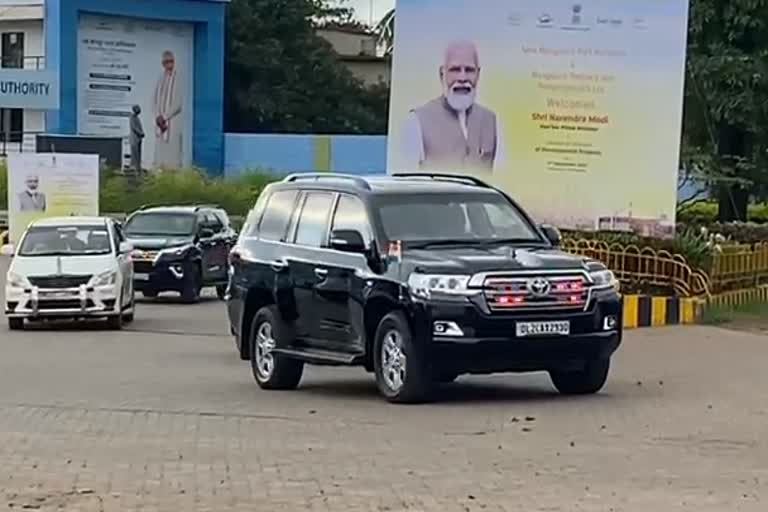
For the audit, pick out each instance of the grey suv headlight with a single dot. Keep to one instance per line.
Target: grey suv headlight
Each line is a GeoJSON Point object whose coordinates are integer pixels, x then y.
{"type": "Point", "coordinates": [175, 252]}
{"type": "Point", "coordinates": [105, 279]}
{"type": "Point", "coordinates": [17, 281]}
{"type": "Point", "coordinates": [425, 285]}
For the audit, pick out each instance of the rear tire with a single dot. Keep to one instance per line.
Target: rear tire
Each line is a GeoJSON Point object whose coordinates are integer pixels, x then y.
{"type": "Point", "coordinates": [16, 324]}
{"type": "Point", "coordinates": [273, 371]}
{"type": "Point", "coordinates": [402, 373]}
{"type": "Point", "coordinates": [588, 381]}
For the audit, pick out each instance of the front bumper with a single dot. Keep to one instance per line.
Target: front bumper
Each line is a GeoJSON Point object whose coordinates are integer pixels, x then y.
{"type": "Point", "coordinates": [488, 343]}
{"type": "Point", "coordinates": [78, 302]}
{"type": "Point", "coordinates": [161, 275]}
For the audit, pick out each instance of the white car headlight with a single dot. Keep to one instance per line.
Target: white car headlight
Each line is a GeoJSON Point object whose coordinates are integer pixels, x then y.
{"type": "Point", "coordinates": [17, 281]}
{"type": "Point", "coordinates": [425, 285]}
{"type": "Point", "coordinates": [603, 279]}
{"type": "Point", "coordinates": [105, 279]}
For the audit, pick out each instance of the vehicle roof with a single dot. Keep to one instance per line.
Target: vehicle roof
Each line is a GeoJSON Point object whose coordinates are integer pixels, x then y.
{"type": "Point", "coordinates": [173, 209]}
{"type": "Point", "coordinates": [70, 221]}
{"type": "Point", "coordinates": [386, 184]}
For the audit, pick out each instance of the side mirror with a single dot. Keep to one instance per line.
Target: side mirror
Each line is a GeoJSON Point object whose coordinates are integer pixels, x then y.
{"type": "Point", "coordinates": [206, 233]}
{"type": "Point", "coordinates": [8, 250]}
{"type": "Point", "coordinates": [552, 234]}
{"type": "Point", "coordinates": [348, 240]}
{"type": "Point", "coordinates": [125, 248]}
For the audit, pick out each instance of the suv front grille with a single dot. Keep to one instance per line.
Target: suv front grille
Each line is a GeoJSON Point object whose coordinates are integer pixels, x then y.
{"type": "Point", "coordinates": [57, 282]}
{"type": "Point", "coordinates": [536, 292]}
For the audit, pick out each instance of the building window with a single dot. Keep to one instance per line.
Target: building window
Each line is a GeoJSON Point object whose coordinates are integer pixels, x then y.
{"type": "Point", "coordinates": [11, 125]}
{"type": "Point", "coordinates": [13, 49]}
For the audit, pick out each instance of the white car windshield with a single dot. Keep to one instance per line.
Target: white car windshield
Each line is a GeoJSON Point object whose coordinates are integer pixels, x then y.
{"type": "Point", "coordinates": [65, 241]}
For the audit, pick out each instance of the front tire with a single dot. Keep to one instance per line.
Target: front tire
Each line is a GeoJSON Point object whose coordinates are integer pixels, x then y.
{"type": "Point", "coordinates": [402, 374]}
{"type": "Point", "coordinates": [115, 322]}
{"type": "Point", "coordinates": [273, 371]}
{"type": "Point", "coordinates": [192, 288]}
{"type": "Point", "coordinates": [588, 381]}
{"type": "Point", "coordinates": [16, 324]}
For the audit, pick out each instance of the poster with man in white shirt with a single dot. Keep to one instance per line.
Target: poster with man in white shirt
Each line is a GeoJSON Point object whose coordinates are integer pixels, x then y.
{"type": "Point", "coordinates": [453, 132]}
{"type": "Point", "coordinates": [168, 109]}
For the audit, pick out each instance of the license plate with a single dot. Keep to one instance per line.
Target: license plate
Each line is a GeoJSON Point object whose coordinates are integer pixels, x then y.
{"type": "Point", "coordinates": [56, 295]}
{"type": "Point", "coordinates": [141, 277]}
{"type": "Point", "coordinates": [562, 328]}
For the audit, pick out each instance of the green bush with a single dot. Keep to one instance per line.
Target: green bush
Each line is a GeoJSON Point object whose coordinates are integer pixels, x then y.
{"type": "Point", "coordinates": [704, 214]}
{"type": "Point", "coordinates": [3, 186]}
{"type": "Point", "coordinates": [123, 194]}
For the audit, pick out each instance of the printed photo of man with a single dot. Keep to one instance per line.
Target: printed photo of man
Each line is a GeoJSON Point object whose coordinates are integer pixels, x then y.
{"type": "Point", "coordinates": [31, 199]}
{"type": "Point", "coordinates": [168, 102]}
{"type": "Point", "coordinates": [453, 132]}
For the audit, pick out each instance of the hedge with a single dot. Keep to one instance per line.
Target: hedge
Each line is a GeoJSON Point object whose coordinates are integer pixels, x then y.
{"type": "Point", "coordinates": [706, 213]}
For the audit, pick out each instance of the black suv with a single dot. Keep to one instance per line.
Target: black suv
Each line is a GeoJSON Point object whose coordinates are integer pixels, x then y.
{"type": "Point", "coordinates": [418, 278]}
{"type": "Point", "coordinates": [180, 249]}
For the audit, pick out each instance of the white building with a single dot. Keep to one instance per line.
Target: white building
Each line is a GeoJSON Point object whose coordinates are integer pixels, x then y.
{"type": "Point", "coordinates": [21, 46]}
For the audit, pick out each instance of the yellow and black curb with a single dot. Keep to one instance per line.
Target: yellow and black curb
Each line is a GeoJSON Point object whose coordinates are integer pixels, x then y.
{"type": "Point", "coordinates": [648, 311]}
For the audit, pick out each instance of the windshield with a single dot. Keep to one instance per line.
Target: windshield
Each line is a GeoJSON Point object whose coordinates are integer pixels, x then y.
{"type": "Point", "coordinates": [463, 218]}
{"type": "Point", "coordinates": [161, 224]}
{"type": "Point", "coordinates": [66, 241]}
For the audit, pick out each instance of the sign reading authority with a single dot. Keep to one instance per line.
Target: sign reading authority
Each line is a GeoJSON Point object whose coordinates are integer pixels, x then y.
{"type": "Point", "coordinates": [29, 89]}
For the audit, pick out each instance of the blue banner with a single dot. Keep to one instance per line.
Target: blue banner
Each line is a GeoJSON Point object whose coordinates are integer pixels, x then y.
{"type": "Point", "coordinates": [29, 89]}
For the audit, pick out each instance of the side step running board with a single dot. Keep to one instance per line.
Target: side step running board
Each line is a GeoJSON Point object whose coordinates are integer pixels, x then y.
{"type": "Point", "coordinates": [320, 357]}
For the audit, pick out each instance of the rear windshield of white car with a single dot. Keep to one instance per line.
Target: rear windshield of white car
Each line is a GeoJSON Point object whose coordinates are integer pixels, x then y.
{"type": "Point", "coordinates": [65, 241]}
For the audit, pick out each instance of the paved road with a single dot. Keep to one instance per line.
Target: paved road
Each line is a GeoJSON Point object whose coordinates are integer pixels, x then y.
{"type": "Point", "coordinates": [165, 417]}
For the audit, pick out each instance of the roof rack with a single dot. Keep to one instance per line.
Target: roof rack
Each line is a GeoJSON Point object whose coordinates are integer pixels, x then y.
{"type": "Point", "coordinates": [360, 182]}
{"type": "Point", "coordinates": [471, 180]}
{"type": "Point", "coordinates": [196, 206]}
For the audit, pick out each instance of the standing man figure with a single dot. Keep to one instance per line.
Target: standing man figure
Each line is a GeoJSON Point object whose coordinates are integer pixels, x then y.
{"type": "Point", "coordinates": [168, 106]}
{"type": "Point", "coordinates": [453, 132]}
{"type": "Point", "coordinates": [136, 139]}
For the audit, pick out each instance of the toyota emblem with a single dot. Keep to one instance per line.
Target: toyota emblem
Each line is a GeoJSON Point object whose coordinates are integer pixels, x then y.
{"type": "Point", "coordinates": [538, 287]}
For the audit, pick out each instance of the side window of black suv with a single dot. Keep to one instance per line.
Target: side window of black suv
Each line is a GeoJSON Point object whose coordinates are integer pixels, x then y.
{"type": "Point", "coordinates": [351, 215]}
{"type": "Point", "coordinates": [312, 227]}
{"type": "Point", "coordinates": [277, 214]}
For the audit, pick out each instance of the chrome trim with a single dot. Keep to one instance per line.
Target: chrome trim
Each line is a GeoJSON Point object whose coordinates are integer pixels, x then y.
{"type": "Point", "coordinates": [479, 281]}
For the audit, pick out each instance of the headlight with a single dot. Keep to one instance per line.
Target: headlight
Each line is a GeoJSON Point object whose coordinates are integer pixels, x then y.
{"type": "Point", "coordinates": [425, 285]}
{"type": "Point", "coordinates": [105, 279]}
{"type": "Point", "coordinates": [17, 281]}
{"type": "Point", "coordinates": [175, 252]}
{"type": "Point", "coordinates": [604, 279]}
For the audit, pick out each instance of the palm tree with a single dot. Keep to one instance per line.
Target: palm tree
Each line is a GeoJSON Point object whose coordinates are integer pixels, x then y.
{"type": "Point", "coordinates": [385, 31]}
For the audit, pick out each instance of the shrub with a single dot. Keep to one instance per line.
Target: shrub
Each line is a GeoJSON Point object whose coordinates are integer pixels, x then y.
{"type": "Point", "coordinates": [706, 213]}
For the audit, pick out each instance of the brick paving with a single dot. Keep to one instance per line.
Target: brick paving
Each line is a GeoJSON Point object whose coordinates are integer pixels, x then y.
{"type": "Point", "coordinates": [166, 418]}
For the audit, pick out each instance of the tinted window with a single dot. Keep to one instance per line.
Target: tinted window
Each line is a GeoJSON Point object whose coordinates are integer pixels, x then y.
{"type": "Point", "coordinates": [313, 222]}
{"type": "Point", "coordinates": [159, 224]}
{"type": "Point", "coordinates": [469, 218]}
{"type": "Point", "coordinates": [351, 215]}
{"type": "Point", "coordinates": [274, 224]}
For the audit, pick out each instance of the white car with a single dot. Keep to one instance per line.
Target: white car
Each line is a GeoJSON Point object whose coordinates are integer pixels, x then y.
{"type": "Point", "coordinates": [70, 267]}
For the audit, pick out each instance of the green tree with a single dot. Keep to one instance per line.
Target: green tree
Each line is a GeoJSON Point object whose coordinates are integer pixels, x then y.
{"type": "Point", "coordinates": [725, 133]}
{"type": "Point", "coordinates": [283, 77]}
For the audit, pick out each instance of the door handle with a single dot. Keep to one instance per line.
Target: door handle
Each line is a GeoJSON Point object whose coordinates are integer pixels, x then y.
{"type": "Point", "coordinates": [278, 266]}
{"type": "Point", "coordinates": [321, 273]}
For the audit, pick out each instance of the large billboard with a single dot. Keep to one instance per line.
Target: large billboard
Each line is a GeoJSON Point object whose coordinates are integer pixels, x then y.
{"type": "Point", "coordinates": [128, 62]}
{"type": "Point", "coordinates": [574, 108]}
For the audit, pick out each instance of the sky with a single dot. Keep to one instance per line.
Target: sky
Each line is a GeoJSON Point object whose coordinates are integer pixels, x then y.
{"type": "Point", "coordinates": [363, 8]}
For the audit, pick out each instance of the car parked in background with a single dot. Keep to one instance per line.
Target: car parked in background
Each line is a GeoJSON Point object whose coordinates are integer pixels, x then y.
{"type": "Point", "coordinates": [70, 267]}
{"type": "Point", "coordinates": [418, 278]}
{"type": "Point", "coordinates": [180, 249]}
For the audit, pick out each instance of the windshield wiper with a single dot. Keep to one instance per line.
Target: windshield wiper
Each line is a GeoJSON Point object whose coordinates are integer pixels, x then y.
{"type": "Point", "coordinates": [513, 241]}
{"type": "Point", "coordinates": [47, 253]}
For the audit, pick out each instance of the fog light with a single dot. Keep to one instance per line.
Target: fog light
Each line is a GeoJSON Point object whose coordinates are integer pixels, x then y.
{"type": "Point", "coordinates": [610, 323]}
{"type": "Point", "coordinates": [447, 329]}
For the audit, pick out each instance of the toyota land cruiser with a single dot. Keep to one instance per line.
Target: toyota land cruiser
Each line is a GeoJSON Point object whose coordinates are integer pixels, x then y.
{"type": "Point", "coordinates": [419, 278]}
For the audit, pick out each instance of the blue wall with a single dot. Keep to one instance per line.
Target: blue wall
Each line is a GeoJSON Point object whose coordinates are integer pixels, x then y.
{"type": "Point", "coordinates": [351, 154]}
{"type": "Point", "coordinates": [61, 38]}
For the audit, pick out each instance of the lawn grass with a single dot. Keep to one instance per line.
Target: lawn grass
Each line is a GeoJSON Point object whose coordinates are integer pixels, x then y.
{"type": "Point", "coordinates": [752, 316]}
